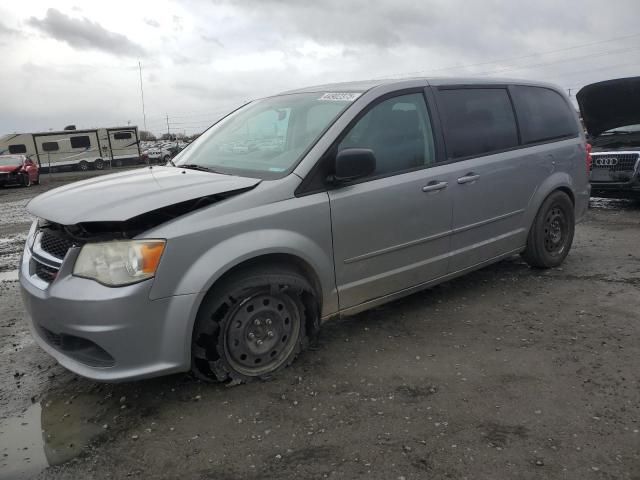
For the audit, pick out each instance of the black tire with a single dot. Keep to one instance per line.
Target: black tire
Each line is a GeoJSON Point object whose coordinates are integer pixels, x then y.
{"type": "Point", "coordinates": [37, 180]}
{"type": "Point", "coordinates": [254, 325]}
{"type": "Point", "coordinates": [551, 234]}
{"type": "Point", "coordinates": [25, 180]}
{"type": "Point", "coordinates": [166, 159]}
{"type": "Point", "coordinates": [98, 164]}
{"type": "Point", "coordinates": [83, 166]}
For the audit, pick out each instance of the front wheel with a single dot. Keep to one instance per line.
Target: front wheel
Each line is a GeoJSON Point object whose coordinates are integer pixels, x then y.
{"type": "Point", "coordinates": [166, 158]}
{"type": "Point", "coordinates": [255, 325]}
{"type": "Point", "coordinates": [26, 180]}
{"type": "Point", "coordinates": [551, 234]}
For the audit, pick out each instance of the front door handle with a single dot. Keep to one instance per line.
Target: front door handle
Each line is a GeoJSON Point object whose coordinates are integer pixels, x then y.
{"type": "Point", "coordinates": [432, 187]}
{"type": "Point", "coordinates": [468, 178]}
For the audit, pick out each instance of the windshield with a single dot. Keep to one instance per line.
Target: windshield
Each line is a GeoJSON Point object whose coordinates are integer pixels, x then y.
{"type": "Point", "coordinates": [626, 129]}
{"type": "Point", "coordinates": [266, 138]}
{"type": "Point", "coordinates": [9, 161]}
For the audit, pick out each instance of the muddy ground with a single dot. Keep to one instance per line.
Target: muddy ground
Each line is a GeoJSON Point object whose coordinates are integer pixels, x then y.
{"type": "Point", "coordinates": [508, 372]}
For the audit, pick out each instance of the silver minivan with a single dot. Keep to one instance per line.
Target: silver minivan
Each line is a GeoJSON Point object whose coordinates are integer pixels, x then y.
{"type": "Point", "coordinates": [294, 209]}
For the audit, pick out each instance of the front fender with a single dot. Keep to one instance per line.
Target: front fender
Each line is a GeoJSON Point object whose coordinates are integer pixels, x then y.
{"type": "Point", "coordinates": [224, 256]}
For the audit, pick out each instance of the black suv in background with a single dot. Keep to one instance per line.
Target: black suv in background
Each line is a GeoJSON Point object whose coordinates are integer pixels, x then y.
{"type": "Point", "coordinates": [611, 114]}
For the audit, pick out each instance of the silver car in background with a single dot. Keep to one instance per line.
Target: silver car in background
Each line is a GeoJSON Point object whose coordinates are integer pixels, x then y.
{"type": "Point", "coordinates": [294, 209]}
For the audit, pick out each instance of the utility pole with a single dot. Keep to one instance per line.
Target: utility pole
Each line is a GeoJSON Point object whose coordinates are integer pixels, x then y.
{"type": "Point", "coordinates": [168, 132]}
{"type": "Point", "coordinates": [569, 90]}
{"type": "Point", "coordinates": [144, 116]}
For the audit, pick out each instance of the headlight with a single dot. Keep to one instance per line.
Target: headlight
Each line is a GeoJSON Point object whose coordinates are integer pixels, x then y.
{"type": "Point", "coordinates": [119, 263]}
{"type": "Point", "coordinates": [31, 236]}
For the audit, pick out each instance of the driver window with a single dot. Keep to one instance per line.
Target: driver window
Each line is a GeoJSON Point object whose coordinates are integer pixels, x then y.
{"type": "Point", "coordinates": [398, 130]}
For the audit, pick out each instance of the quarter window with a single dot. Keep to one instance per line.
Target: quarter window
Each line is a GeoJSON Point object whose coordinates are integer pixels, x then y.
{"type": "Point", "coordinates": [17, 148]}
{"type": "Point", "coordinates": [80, 142]}
{"type": "Point", "coordinates": [50, 146]}
{"type": "Point", "coordinates": [122, 136]}
{"type": "Point", "coordinates": [398, 130]}
{"type": "Point", "coordinates": [543, 114]}
{"type": "Point", "coordinates": [477, 121]}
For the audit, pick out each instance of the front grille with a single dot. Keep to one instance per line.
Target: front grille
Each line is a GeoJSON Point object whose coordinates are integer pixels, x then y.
{"type": "Point", "coordinates": [621, 161]}
{"type": "Point", "coordinates": [55, 243]}
{"type": "Point", "coordinates": [45, 272]}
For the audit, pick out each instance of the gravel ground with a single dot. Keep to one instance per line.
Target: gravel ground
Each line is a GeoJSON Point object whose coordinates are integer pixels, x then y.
{"type": "Point", "coordinates": [507, 372]}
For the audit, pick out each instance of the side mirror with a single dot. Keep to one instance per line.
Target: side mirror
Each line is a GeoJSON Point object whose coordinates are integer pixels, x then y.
{"type": "Point", "coordinates": [354, 163]}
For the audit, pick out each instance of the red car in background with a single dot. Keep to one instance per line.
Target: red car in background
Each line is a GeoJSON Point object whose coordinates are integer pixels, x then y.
{"type": "Point", "coordinates": [18, 170]}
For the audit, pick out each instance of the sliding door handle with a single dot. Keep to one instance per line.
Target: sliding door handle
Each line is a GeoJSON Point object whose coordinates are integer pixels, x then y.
{"type": "Point", "coordinates": [434, 186]}
{"type": "Point", "coordinates": [468, 178]}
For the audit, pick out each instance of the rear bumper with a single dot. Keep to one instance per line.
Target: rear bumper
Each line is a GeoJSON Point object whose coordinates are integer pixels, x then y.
{"type": "Point", "coordinates": [108, 334]}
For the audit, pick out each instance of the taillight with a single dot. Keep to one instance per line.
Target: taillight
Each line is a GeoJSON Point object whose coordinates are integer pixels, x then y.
{"type": "Point", "coordinates": [589, 159]}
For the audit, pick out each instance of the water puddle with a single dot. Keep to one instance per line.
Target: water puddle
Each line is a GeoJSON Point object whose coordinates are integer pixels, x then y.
{"type": "Point", "coordinates": [47, 433]}
{"type": "Point", "coordinates": [10, 276]}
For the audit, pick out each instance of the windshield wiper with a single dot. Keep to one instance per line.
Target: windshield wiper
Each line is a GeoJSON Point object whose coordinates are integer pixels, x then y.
{"type": "Point", "coordinates": [200, 168]}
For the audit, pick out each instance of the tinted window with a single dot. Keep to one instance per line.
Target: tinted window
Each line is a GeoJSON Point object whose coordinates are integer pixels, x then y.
{"type": "Point", "coordinates": [50, 146]}
{"type": "Point", "coordinates": [543, 114]}
{"type": "Point", "coordinates": [122, 135]}
{"type": "Point", "coordinates": [80, 142]}
{"type": "Point", "coordinates": [398, 130]}
{"type": "Point", "coordinates": [17, 149]}
{"type": "Point", "coordinates": [477, 121]}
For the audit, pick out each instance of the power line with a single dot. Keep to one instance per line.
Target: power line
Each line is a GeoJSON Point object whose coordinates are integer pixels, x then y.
{"type": "Point", "coordinates": [510, 59]}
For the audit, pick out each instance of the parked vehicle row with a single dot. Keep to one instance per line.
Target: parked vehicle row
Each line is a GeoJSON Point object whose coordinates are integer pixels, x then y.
{"type": "Point", "coordinates": [227, 260]}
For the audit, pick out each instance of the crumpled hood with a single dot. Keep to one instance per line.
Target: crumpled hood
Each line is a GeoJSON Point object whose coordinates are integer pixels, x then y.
{"type": "Point", "coordinates": [610, 104]}
{"type": "Point", "coordinates": [121, 196]}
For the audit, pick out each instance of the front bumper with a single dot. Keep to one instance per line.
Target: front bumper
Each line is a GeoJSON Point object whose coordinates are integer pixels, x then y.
{"type": "Point", "coordinates": [107, 334]}
{"type": "Point", "coordinates": [9, 179]}
{"type": "Point", "coordinates": [616, 189]}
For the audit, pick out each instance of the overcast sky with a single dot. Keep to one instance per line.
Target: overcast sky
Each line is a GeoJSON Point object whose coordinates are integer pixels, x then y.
{"type": "Point", "coordinates": [77, 62]}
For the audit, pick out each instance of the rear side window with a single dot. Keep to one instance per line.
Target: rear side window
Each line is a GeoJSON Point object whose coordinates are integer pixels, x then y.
{"type": "Point", "coordinates": [17, 149]}
{"type": "Point", "coordinates": [122, 136]}
{"type": "Point", "coordinates": [50, 146]}
{"type": "Point", "coordinates": [80, 142]}
{"type": "Point", "coordinates": [477, 121]}
{"type": "Point", "coordinates": [543, 114]}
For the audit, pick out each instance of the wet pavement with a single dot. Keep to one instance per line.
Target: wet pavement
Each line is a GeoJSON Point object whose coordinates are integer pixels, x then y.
{"type": "Point", "coordinates": [507, 372]}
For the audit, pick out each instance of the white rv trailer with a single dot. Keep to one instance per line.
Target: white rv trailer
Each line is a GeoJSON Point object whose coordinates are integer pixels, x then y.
{"type": "Point", "coordinates": [81, 149]}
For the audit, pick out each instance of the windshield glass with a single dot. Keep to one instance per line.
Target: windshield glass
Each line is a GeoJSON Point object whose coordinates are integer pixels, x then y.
{"type": "Point", "coordinates": [266, 138]}
{"type": "Point", "coordinates": [626, 129]}
{"type": "Point", "coordinates": [9, 161]}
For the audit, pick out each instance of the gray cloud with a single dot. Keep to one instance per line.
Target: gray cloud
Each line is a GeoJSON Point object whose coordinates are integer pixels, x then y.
{"type": "Point", "coordinates": [212, 39]}
{"type": "Point", "coordinates": [151, 22]}
{"type": "Point", "coordinates": [84, 34]}
{"type": "Point", "coordinates": [6, 31]}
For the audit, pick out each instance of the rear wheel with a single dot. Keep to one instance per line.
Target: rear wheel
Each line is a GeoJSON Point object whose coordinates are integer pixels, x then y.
{"type": "Point", "coordinates": [551, 234]}
{"type": "Point", "coordinates": [253, 326]}
{"type": "Point", "coordinates": [37, 180]}
{"type": "Point", "coordinates": [98, 164]}
{"type": "Point", "coordinates": [166, 159]}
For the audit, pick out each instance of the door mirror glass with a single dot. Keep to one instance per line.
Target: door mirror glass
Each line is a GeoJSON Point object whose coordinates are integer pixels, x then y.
{"type": "Point", "coordinates": [354, 163]}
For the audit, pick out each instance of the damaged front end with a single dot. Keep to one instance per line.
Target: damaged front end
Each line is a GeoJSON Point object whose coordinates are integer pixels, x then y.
{"type": "Point", "coordinates": [50, 242]}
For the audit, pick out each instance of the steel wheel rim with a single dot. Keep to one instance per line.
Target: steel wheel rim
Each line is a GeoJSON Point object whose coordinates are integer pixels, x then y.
{"type": "Point", "coordinates": [261, 333]}
{"type": "Point", "coordinates": [556, 231]}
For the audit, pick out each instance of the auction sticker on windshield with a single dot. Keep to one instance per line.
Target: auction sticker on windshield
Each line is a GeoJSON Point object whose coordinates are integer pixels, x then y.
{"type": "Point", "coordinates": [340, 96]}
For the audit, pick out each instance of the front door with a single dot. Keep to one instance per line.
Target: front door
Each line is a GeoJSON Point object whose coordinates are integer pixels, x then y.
{"type": "Point", "coordinates": [391, 230]}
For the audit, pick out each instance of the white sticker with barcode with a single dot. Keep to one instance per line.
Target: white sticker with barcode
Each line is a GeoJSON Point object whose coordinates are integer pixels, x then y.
{"type": "Point", "coordinates": [339, 96]}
